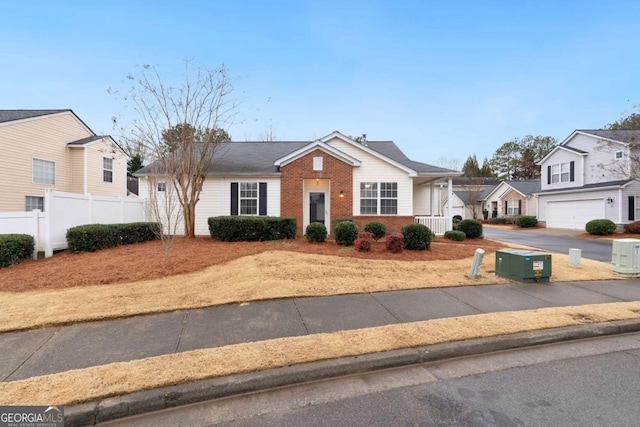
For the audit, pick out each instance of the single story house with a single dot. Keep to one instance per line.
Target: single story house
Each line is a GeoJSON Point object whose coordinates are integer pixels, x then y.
{"type": "Point", "coordinates": [511, 199]}
{"type": "Point", "coordinates": [317, 181]}
{"type": "Point", "coordinates": [592, 174]}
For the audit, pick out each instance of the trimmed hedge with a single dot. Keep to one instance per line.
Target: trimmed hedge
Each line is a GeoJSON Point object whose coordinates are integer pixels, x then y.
{"type": "Point", "coordinates": [455, 235]}
{"type": "Point", "coordinates": [417, 237]}
{"type": "Point", "coordinates": [471, 228]}
{"type": "Point", "coordinates": [526, 221]}
{"type": "Point", "coordinates": [458, 217]}
{"type": "Point", "coordinates": [345, 232]}
{"type": "Point", "coordinates": [316, 232]}
{"type": "Point", "coordinates": [251, 228]}
{"type": "Point", "coordinates": [633, 228]}
{"type": "Point", "coordinates": [600, 227]}
{"type": "Point", "coordinates": [93, 237]}
{"type": "Point", "coordinates": [377, 229]}
{"type": "Point", "coordinates": [15, 248]}
{"type": "Point", "coordinates": [395, 242]}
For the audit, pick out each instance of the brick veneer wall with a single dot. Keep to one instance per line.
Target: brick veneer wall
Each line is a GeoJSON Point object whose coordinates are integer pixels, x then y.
{"type": "Point", "coordinates": [513, 195]}
{"type": "Point", "coordinates": [294, 174]}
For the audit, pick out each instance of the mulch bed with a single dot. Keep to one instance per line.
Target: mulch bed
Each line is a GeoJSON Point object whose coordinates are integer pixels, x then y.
{"type": "Point", "coordinates": [145, 261]}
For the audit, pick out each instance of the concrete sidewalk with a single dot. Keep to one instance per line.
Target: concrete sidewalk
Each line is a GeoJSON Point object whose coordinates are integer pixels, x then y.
{"type": "Point", "coordinates": [57, 349]}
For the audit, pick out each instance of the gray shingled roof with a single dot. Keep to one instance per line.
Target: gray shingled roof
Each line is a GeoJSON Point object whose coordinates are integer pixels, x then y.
{"type": "Point", "coordinates": [88, 140]}
{"type": "Point", "coordinates": [629, 136]}
{"type": "Point", "coordinates": [257, 158]}
{"type": "Point", "coordinates": [620, 183]}
{"type": "Point", "coordinates": [475, 180]}
{"type": "Point", "coordinates": [575, 150]}
{"type": "Point", "coordinates": [527, 187]}
{"type": "Point", "coordinates": [12, 115]}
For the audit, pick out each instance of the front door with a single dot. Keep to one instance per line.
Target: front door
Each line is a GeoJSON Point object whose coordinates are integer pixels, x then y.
{"type": "Point", "coordinates": [316, 207]}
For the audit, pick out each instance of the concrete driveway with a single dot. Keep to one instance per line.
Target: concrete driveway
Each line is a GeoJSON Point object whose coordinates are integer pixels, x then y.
{"type": "Point", "coordinates": [554, 240]}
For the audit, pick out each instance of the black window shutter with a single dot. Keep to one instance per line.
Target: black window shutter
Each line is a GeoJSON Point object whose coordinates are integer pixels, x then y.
{"type": "Point", "coordinates": [548, 174]}
{"type": "Point", "coordinates": [505, 207]}
{"type": "Point", "coordinates": [234, 198]}
{"type": "Point", "coordinates": [632, 208]}
{"type": "Point", "coordinates": [572, 169]}
{"type": "Point", "coordinates": [262, 199]}
{"type": "Point", "coordinates": [519, 207]}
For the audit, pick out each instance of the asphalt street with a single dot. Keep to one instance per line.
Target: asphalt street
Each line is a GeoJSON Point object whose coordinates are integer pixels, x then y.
{"type": "Point", "coordinates": [554, 241]}
{"type": "Point", "coordinates": [590, 382]}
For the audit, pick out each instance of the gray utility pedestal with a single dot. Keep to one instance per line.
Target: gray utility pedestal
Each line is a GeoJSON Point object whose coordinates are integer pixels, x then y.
{"type": "Point", "coordinates": [523, 265]}
{"type": "Point", "coordinates": [625, 257]}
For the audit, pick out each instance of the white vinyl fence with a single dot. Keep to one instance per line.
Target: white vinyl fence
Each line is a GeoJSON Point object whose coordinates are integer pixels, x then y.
{"type": "Point", "coordinates": [66, 210]}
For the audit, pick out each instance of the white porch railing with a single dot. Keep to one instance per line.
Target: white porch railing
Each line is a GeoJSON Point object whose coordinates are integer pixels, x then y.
{"type": "Point", "coordinates": [438, 224]}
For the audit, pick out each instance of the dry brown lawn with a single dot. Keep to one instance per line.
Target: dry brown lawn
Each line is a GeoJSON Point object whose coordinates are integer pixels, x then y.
{"type": "Point", "coordinates": [136, 279]}
{"type": "Point", "coordinates": [72, 288]}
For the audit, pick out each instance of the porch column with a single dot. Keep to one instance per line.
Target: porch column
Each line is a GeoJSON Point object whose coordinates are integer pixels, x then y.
{"type": "Point", "coordinates": [431, 199]}
{"type": "Point", "coordinates": [449, 198]}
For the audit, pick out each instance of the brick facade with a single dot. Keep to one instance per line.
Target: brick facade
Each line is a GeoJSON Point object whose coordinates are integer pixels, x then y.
{"type": "Point", "coordinates": [513, 195]}
{"type": "Point", "coordinates": [292, 186]}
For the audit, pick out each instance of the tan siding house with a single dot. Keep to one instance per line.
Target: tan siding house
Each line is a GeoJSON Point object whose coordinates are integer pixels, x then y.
{"type": "Point", "coordinates": [55, 149]}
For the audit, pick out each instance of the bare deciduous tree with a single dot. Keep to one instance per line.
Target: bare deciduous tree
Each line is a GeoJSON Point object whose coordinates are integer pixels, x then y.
{"type": "Point", "coordinates": [182, 127]}
{"type": "Point", "coordinates": [471, 196]}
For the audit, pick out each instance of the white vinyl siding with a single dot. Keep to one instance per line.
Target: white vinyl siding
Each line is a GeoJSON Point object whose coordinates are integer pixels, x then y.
{"type": "Point", "coordinates": [374, 169]}
{"type": "Point", "coordinates": [43, 171]}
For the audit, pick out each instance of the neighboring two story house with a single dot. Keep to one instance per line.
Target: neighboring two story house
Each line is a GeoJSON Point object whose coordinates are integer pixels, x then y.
{"type": "Point", "coordinates": [55, 149]}
{"type": "Point", "coordinates": [317, 181]}
{"type": "Point", "coordinates": [589, 176]}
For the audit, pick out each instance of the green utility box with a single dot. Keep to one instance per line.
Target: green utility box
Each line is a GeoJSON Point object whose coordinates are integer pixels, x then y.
{"type": "Point", "coordinates": [523, 265]}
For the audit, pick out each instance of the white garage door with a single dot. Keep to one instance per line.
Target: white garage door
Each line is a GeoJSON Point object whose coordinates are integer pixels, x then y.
{"type": "Point", "coordinates": [574, 213]}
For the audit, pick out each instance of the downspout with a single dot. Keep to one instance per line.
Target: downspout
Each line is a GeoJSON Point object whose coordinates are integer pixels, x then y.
{"type": "Point", "coordinates": [449, 198]}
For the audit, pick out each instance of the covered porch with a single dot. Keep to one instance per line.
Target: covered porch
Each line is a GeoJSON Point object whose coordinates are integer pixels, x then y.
{"type": "Point", "coordinates": [428, 196]}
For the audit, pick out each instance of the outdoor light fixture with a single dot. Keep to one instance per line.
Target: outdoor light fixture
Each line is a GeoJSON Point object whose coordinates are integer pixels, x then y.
{"type": "Point", "coordinates": [610, 200]}
{"type": "Point", "coordinates": [341, 193]}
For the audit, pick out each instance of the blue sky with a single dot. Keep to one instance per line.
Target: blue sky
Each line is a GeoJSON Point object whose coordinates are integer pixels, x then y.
{"type": "Point", "coordinates": [443, 79]}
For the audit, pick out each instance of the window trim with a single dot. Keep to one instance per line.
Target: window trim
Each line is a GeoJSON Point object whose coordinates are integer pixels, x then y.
{"type": "Point", "coordinates": [161, 187]}
{"type": "Point", "coordinates": [106, 171]}
{"type": "Point", "coordinates": [616, 157]}
{"type": "Point", "coordinates": [318, 163]}
{"type": "Point", "coordinates": [513, 207]}
{"type": "Point", "coordinates": [560, 172]}
{"type": "Point", "coordinates": [247, 198]}
{"type": "Point", "coordinates": [40, 200]}
{"type": "Point", "coordinates": [33, 171]}
{"type": "Point", "coordinates": [375, 195]}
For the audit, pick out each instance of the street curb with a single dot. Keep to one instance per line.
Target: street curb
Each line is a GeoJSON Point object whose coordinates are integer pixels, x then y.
{"type": "Point", "coordinates": [91, 413]}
